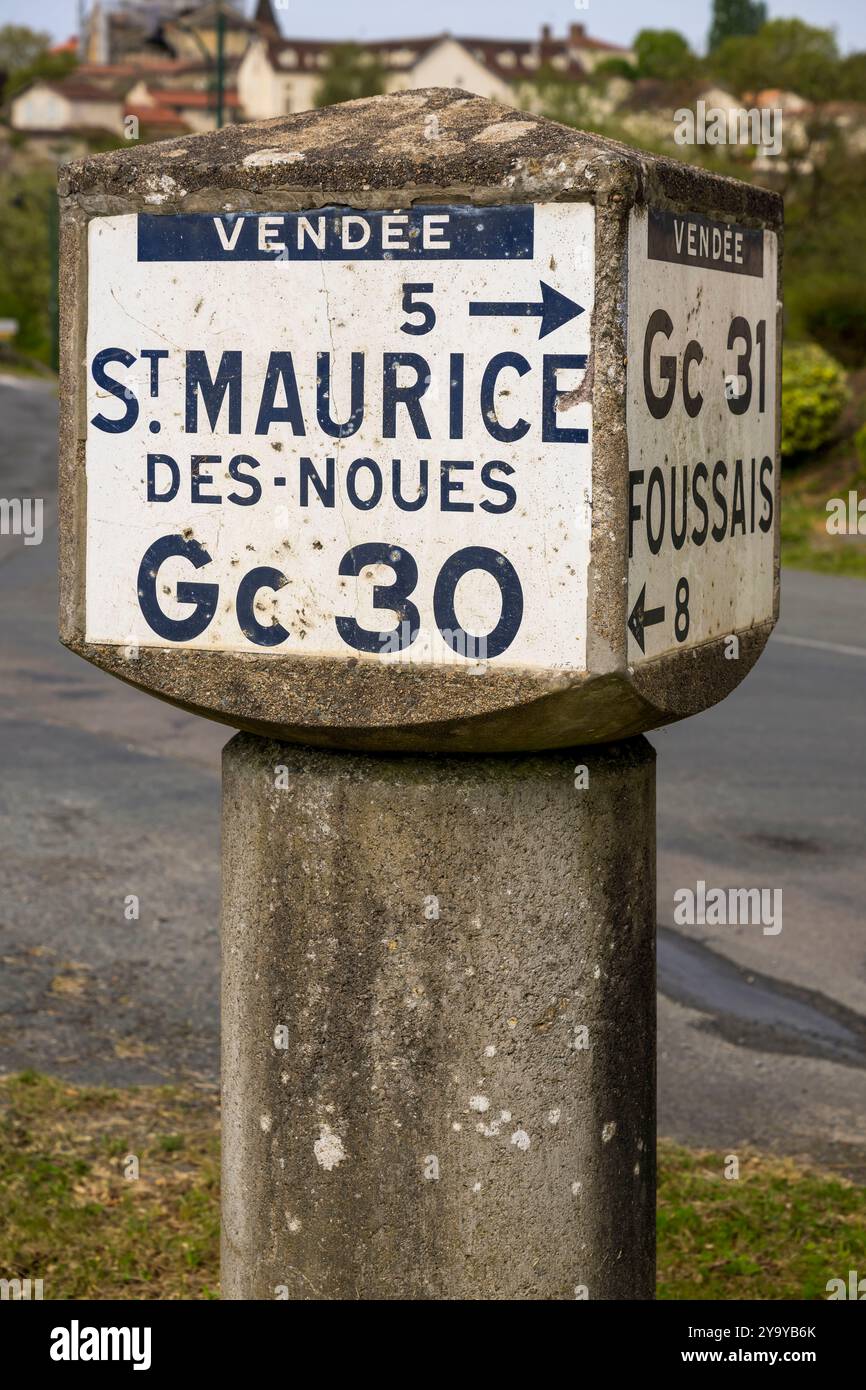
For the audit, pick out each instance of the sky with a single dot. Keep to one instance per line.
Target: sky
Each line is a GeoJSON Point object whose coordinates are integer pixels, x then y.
{"type": "Point", "coordinates": [617, 21]}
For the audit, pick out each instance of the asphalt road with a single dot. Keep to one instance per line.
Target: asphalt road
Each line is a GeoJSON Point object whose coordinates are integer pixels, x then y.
{"type": "Point", "coordinates": [763, 1037]}
{"type": "Point", "coordinates": [107, 793]}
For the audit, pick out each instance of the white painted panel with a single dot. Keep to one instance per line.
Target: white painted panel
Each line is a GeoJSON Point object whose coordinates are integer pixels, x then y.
{"type": "Point", "coordinates": [527, 499]}
{"type": "Point", "coordinates": [701, 430]}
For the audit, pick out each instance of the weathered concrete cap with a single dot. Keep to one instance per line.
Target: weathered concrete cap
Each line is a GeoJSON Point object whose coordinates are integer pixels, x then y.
{"type": "Point", "coordinates": [419, 423]}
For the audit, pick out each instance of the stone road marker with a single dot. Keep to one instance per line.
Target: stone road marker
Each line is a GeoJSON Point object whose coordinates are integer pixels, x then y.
{"type": "Point", "coordinates": [280, 443]}
{"type": "Point", "coordinates": [419, 424]}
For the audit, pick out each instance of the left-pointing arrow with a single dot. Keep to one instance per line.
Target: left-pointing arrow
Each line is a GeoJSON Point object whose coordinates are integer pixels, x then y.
{"type": "Point", "coordinates": [554, 310]}
{"type": "Point", "coordinates": [642, 617]}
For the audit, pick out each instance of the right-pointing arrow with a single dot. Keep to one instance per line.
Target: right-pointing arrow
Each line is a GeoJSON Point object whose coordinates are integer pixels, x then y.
{"type": "Point", "coordinates": [554, 309]}
{"type": "Point", "coordinates": [642, 617]}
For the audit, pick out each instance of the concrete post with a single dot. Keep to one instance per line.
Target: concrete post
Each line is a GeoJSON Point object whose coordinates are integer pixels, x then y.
{"type": "Point", "coordinates": [438, 1024]}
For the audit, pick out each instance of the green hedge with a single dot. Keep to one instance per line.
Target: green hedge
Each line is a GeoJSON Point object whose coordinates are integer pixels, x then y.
{"type": "Point", "coordinates": [813, 396]}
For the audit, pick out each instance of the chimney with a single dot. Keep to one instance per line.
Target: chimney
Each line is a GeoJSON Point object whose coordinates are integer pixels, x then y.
{"type": "Point", "coordinates": [576, 34]}
{"type": "Point", "coordinates": [546, 44]}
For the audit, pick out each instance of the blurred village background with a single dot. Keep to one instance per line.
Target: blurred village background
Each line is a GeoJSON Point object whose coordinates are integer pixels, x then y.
{"type": "Point", "coordinates": [158, 69]}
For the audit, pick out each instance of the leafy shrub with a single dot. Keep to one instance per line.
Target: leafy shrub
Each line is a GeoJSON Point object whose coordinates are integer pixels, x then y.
{"type": "Point", "coordinates": [813, 394]}
{"type": "Point", "coordinates": [664, 54]}
{"type": "Point", "coordinates": [615, 67]}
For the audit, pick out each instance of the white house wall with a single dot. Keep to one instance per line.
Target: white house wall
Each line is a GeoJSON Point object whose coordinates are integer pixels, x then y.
{"type": "Point", "coordinates": [260, 87]}
{"type": "Point", "coordinates": [449, 64]}
{"type": "Point", "coordinates": [40, 109]}
{"type": "Point", "coordinates": [299, 91]}
{"type": "Point", "coordinates": [264, 90]}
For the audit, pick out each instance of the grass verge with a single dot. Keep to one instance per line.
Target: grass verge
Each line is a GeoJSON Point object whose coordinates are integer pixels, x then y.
{"type": "Point", "coordinates": [70, 1215]}
{"type": "Point", "coordinates": [777, 1231]}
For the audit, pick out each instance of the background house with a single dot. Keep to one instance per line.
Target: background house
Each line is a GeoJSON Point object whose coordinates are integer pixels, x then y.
{"type": "Point", "coordinates": [82, 101]}
{"type": "Point", "coordinates": [156, 62]}
{"type": "Point", "coordinates": [144, 31]}
{"type": "Point", "coordinates": [278, 75]}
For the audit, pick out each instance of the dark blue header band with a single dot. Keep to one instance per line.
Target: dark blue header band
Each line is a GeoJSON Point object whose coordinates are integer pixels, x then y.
{"type": "Point", "coordinates": [341, 234]}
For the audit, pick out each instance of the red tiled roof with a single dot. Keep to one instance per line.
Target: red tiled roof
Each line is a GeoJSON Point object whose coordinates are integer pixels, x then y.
{"type": "Point", "coordinates": [490, 53]}
{"type": "Point", "coordinates": [118, 69]}
{"type": "Point", "coordinates": [171, 97]}
{"type": "Point", "coordinates": [111, 82]}
{"type": "Point", "coordinates": [81, 91]}
{"type": "Point", "coordinates": [166, 66]}
{"type": "Point", "coordinates": [157, 115]}
{"type": "Point", "coordinates": [598, 45]}
{"type": "Point", "coordinates": [856, 109]}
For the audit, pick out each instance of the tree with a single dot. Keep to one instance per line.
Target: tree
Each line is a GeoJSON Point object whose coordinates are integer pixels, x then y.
{"type": "Point", "coordinates": [734, 19]}
{"type": "Point", "coordinates": [352, 72]}
{"type": "Point", "coordinates": [51, 66]}
{"type": "Point", "coordinates": [20, 46]}
{"type": "Point", "coordinates": [25, 56]}
{"type": "Point", "coordinates": [25, 257]}
{"type": "Point", "coordinates": [664, 54]}
{"type": "Point", "coordinates": [852, 77]}
{"type": "Point", "coordinates": [785, 53]}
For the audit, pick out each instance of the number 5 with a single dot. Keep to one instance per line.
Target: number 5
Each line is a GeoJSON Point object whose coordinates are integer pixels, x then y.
{"type": "Point", "coordinates": [410, 307]}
